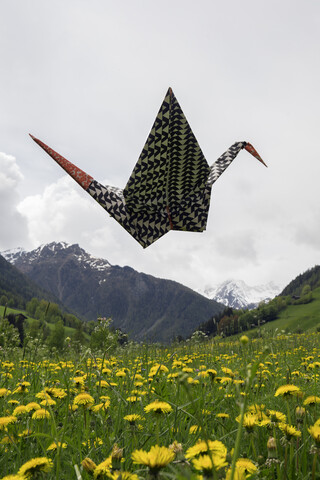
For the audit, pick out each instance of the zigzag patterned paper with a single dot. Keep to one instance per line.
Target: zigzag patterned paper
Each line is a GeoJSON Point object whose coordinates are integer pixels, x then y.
{"type": "Point", "coordinates": [170, 186]}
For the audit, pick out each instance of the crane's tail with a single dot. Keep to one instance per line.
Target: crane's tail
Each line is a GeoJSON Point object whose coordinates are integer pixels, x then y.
{"type": "Point", "coordinates": [76, 173]}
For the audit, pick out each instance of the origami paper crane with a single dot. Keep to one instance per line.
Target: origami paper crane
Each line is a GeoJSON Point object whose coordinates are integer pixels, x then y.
{"type": "Point", "coordinates": [170, 186]}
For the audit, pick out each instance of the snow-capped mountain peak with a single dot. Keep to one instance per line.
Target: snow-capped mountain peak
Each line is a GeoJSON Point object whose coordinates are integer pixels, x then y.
{"type": "Point", "coordinates": [237, 294]}
{"type": "Point", "coordinates": [51, 250]}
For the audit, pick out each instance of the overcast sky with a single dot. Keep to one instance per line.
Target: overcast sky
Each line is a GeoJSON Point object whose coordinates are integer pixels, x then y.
{"type": "Point", "coordinates": [88, 78]}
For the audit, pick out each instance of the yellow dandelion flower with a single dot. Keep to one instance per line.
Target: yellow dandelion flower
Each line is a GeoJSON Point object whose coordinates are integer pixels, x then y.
{"type": "Point", "coordinates": [78, 381]}
{"type": "Point", "coordinates": [133, 399]}
{"type": "Point", "coordinates": [40, 414]}
{"type": "Point", "coordinates": [222, 415]}
{"type": "Point", "coordinates": [103, 470]}
{"type": "Point", "coordinates": [289, 431]}
{"type": "Point", "coordinates": [287, 391]}
{"type": "Point", "coordinates": [158, 407]}
{"type": "Point", "coordinates": [32, 406]}
{"type": "Point", "coordinates": [227, 372]}
{"type": "Point", "coordinates": [55, 446]}
{"type": "Point", "coordinates": [48, 402]}
{"type": "Point", "coordinates": [276, 417]}
{"type": "Point", "coordinates": [57, 392]}
{"type": "Point", "coordinates": [35, 465]}
{"type": "Point", "coordinates": [247, 465]}
{"type": "Point", "coordinates": [133, 418]}
{"type": "Point", "coordinates": [194, 429]}
{"type": "Point", "coordinates": [5, 421]}
{"type": "Point", "coordinates": [201, 447]}
{"type": "Point", "coordinates": [83, 399]}
{"type": "Point", "coordinates": [4, 392]}
{"type": "Point", "coordinates": [206, 464]}
{"type": "Point", "coordinates": [312, 400]}
{"type": "Point", "coordinates": [20, 410]}
{"type": "Point", "coordinates": [239, 474]}
{"type": "Point", "coordinates": [250, 420]}
{"type": "Point", "coordinates": [155, 459]}
{"type": "Point", "coordinates": [212, 373]}
{"type": "Point", "coordinates": [157, 369]}
{"type": "Point", "coordinates": [314, 431]}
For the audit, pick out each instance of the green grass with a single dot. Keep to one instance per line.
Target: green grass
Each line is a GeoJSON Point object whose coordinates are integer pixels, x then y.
{"type": "Point", "coordinates": [133, 378]}
{"type": "Point", "coordinates": [295, 318]}
{"type": "Point", "coordinates": [69, 331]}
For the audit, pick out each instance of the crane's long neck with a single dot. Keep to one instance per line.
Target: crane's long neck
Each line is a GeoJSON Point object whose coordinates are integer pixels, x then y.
{"type": "Point", "coordinates": [224, 161]}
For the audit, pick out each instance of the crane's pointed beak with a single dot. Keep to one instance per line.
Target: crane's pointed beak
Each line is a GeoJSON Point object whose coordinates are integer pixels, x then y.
{"type": "Point", "coordinates": [254, 152]}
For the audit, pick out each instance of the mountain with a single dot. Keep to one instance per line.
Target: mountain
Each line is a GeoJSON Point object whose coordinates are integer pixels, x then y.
{"type": "Point", "coordinates": [311, 278]}
{"type": "Point", "coordinates": [237, 294]}
{"type": "Point", "coordinates": [17, 287]}
{"type": "Point", "coordinates": [145, 307]}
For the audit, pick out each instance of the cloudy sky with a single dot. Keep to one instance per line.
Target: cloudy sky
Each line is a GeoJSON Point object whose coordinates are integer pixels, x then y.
{"type": "Point", "coordinates": [88, 78]}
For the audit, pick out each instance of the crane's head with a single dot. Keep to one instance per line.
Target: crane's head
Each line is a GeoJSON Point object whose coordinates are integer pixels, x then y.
{"type": "Point", "coordinates": [254, 152]}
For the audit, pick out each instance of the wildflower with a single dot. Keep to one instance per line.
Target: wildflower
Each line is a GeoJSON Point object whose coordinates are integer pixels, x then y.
{"type": "Point", "coordinates": [104, 405]}
{"type": "Point", "coordinates": [133, 399]}
{"type": "Point", "coordinates": [4, 392]}
{"type": "Point", "coordinates": [194, 429]}
{"type": "Point", "coordinates": [158, 407]}
{"type": "Point", "coordinates": [250, 421]}
{"type": "Point", "coordinates": [312, 400]}
{"type": "Point", "coordinates": [40, 414]}
{"type": "Point", "coordinates": [32, 406]}
{"type": "Point", "coordinates": [289, 431]}
{"type": "Point", "coordinates": [48, 402]}
{"type": "Point", "coordinates": [55, 446]}
{"type": "Point", "coordinates": [201, 447]}
{"type": "Point", "coordinates": [223, 416]}
{"type": "Point", "coordinates": [239, 474]}
{"type": "Point", "coordinates": [34, 466]}
{"type": "Point", "coordinates": [57, 393]}
{"type": "Point", "coordinates": [133, 418]}
{"type": "Point", "coordinates": [20, 410]}
{"type": "Point", "coordinates": [155, 459]}
{"type": "Point", "coordinates": [247, 465]}
{"type": "Point", "coordinates": [227, 371]}
{"type": "Point", "coordinates": [276, 417]}
{"type": "Point", "coordinates": [103, 470]}
{"type": "Point", "coordinates": [5, 421]}
{"type": "Point", "coordinates": [122, 475]}
{"type": "Point", "coordinates": [157, 369]}
{"type": "Point", "coordinates": [314, 431]}
{"type": "Point", "coordinates": [287, 391]}
{"type": "Point", "coordinates": [83, 399]}
{"type": "Point", "coordinates": [207, 463]}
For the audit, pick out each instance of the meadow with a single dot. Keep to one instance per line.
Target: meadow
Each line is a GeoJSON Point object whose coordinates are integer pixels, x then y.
{"type": "Point", "coordinates": [213, 409]}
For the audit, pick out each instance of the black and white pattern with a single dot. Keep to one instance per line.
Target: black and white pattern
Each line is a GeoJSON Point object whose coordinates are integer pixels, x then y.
{"type": "Point", "coordinates": [224, 161]}
{"type": "Point", "coordinates": [170, 186]}
{"type": "Point", "coordinates": [147, 224]}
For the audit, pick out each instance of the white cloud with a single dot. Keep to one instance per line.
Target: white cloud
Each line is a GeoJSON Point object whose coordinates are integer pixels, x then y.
{"type": "Point", "coordinates": [13, 226]}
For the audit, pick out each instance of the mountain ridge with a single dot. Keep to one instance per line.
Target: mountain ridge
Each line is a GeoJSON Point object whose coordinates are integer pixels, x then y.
{"type": "Point", "coordinates": [145, 307]}
{"type": "Point", "coordinates": [238, 295]}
